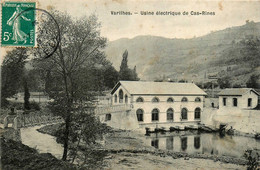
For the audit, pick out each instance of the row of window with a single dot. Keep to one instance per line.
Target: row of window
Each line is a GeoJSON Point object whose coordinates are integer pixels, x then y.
{"type": "Point", "coordinates": [169, 143]}
{"type": "Point", "coordinates": [169, 100]}
{"type": "Point", "coordinates": [235, 103]}
{"type": "Point", "coordinates": [154, 100]}
{"type": "Point", "coordinates": [169, 114]}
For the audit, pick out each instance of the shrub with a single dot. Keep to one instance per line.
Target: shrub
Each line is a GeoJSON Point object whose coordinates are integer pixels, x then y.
{"type": "Point", "coordinates": [35, 106]}
{"type": "Point", "coordinates": [253, 157]}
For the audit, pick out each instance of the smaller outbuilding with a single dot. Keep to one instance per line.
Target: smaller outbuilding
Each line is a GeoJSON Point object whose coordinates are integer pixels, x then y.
{"type": "Point", "coordinates": [240, 98]}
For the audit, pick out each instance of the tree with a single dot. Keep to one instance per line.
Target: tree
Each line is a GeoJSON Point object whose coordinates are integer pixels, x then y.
{"type": "Point", "coordinates": [125, 73]}
{"type": "Point", "coordinates": [111, 76]}
{"type": "Point", "coordinates": [224, 82]}
{"type": "Point", "coordinates": [80, 48]}
{"type": "Point", "coordinates": [26, 96]}
{"type": "Point", "coordinates": [12, 73]}
{"type": "Point", "coordinates": [252, 82]}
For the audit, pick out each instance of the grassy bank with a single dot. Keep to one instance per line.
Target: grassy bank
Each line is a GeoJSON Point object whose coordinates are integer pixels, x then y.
{"type": "Point", "coordinates": [15, 155]}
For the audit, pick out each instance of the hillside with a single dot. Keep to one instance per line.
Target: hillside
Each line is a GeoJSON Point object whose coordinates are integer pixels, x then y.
{"type": "Point", "coordinates": [221, 52]}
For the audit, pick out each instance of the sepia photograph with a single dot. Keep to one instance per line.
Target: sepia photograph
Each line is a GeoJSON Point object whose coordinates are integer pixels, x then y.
{"type": "Point", "coordinates": [130, 84]}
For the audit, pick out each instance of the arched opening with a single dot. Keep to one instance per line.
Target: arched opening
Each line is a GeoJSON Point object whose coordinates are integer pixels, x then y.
{"type": "Point", "coordinates": [139, 100]}
{"type": "Point", "coordinates": [197, 113]}
{"type": "Point", "coordinates": [155, 115]}
{"type": "Point", "coordinates": [155, 100]}
{"type": "Point", "coordinates": [197, 99]}
{"type": "Point", "coordinates": [170, 114]}
{"type": "Point", "coordinates": [184, 99]}
{"type": "Point", "coordinates": [126, 99]}
{"type": "Point", "coordinates": [121, 96]}
{"type": "Point", "coordinates": [170, 100]}
{"type": "Point", "coordinates": [140, 115]}
{"type": "Point", "coordinates": [115, 100]}
{"type": "Point", "coordinates": [184, 114]}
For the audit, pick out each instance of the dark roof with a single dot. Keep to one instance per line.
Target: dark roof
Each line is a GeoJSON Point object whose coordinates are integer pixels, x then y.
{"type": "Point", "coordinates": [236, 91]}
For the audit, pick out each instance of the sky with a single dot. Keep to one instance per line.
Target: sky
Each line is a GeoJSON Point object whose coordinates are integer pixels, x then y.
{"type": "Point", "coordinates": [227, 14]}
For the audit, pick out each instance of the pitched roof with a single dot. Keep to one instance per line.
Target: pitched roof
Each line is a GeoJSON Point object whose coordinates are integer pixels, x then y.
{"type": "Point", "coordinates": [159, 88]}
{"type": "Point", "coordinates": [235, 91]}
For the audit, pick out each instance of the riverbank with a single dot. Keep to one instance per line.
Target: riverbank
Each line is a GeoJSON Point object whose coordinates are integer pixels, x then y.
{"type": "Point", "coordinates": [123, 149]}
{"type": "Point", "coordinates": [15, 155]}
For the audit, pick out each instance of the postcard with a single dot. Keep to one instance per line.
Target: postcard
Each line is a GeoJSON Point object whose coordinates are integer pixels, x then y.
{"type": "Point", "coordinates": [130, 84]}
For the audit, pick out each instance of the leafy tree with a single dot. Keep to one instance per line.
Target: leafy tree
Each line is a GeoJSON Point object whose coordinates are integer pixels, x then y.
{"type": "Point", "coordinates": [80, 48]}
{"type": "Point", "coordinates": [125, 73]}
{"type": "Point", "coordinates": [26, 96]}
{"type": "Point", "coordinates": [224, 82]}
{"type": "Point", "coordinates": [12, 71]}
{"type": "Point", "coordinates": [111, 76]}
{"type": "Point", "coordinates": [252, 157]}
{"type": "Point", "coordinates": [252, 82]}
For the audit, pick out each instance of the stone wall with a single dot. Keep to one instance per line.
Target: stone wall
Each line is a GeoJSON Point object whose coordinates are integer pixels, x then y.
{"type": "Point", "coordinates": [126, 120]}
{"type": "Point", "coordinates": [246, 121]}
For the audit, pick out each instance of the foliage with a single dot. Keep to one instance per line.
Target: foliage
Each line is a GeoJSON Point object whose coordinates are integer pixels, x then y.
{"type": "Point", "coordinates": [224, 82]}
{"type": "Point", "coordinates": [182, 81]}
{"type": "Point", "coordinates": [74, 71]}
{"type": "Point", "coordinates": [35, 82]}
{"type": "Point", "coordinates": [125, 73]}
{"type": "Point", "coordinates": [35, 106]}
{"type": "Point", "coordinates": [253, 157]}
{"type": "Point", "coordinates": [12, 71]}
{"type": "Point", "coordinates": [26, 96]}
{"type": "Point", "coordinates": [252, 82]}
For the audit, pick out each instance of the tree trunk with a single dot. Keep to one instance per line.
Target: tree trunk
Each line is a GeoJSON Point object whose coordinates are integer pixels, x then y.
{"type": "Point", "coordinates": [66, 137]}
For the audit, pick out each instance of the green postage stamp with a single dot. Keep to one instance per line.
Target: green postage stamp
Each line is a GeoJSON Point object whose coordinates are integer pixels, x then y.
{"type": "Point", "coordinates": [18, 24]}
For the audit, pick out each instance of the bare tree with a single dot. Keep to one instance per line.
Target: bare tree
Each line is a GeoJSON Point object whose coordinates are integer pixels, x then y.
{"type": "Point", "coordinates": [80, 47]}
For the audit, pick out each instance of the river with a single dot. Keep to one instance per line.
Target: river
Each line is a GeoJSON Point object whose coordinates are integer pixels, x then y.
{"type": "Point", "coordinates": [44, 143]}
{"type": "Point", "coordinates": [205, 143]}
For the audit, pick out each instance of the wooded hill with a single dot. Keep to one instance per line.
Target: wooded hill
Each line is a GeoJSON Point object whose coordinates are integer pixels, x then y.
{"type": "Point", "coordinates": [232, 52]}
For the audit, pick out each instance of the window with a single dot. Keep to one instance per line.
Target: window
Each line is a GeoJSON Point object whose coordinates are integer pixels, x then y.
{"type": "Point", "coordinates": [249, 102]}
{"type": "Point", "coordinates": [170, 114]}
{"type": "Point", "coordinates": [155, 100]}
{"type": "Point", "coordinates": [170, 100]}
{"type": "Point", "coordinates": [139, 100]}
{"type": "Point", "coordinates": [140, 115]}
{"type": "Point", "coordinates": [155, 115]}
{"type": "Point", "coordinates": [108, 117]}
{"type": "Point", "coordinates": [197, 99]}
{"type": "Point", "coordinates": [196, 142]}
{"type": "Point", "coordinates": [224, 101]}
{"type": "Point", "coordinates": [126, 99]}
{"type": "Point", "coordinates": [169, 143]}
{"type": "Point", "coordinates": [115, 98]}
{"type": "Point", "coordinates": [235, 102]}
{"type": "Point", "coordinates": [197, 113]}
{"type": "Point", "coordinates": [155, 143]}
{"type": "Point", "coordinates": [121, 96]}
{"type": "Point", "coordinates": [184, 143]}
{"type": "Point", "coordinates": [184, 99]}
{"type": "Point", "coordinates": [184, 114]}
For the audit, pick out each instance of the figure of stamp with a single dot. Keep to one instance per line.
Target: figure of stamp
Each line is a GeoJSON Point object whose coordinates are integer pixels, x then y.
{"type": "Point", "coordinates": [18, 28]}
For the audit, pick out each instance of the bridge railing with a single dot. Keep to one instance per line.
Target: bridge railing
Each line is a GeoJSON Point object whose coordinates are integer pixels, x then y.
{"type": "Point", "coordinates": [112, 109]}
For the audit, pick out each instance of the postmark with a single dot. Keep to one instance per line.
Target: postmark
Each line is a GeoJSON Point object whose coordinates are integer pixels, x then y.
{"type": "Point", "coordinates": [18, 24]}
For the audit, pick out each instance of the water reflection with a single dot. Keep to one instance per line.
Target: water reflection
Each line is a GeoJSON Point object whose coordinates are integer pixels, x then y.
{"type": "Point", "coordinates": [206, 143]}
